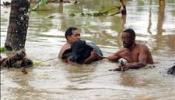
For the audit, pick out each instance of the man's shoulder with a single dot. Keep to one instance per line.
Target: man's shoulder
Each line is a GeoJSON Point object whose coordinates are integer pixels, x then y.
{"type": "Point", "coordinates": [143, 46]}
{"type": "Point", "coordinates": [65, 47]}
{"type": "Point", "coordinates": [122, 50]}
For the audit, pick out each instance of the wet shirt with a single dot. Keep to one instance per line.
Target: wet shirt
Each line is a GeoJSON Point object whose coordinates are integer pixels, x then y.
{"type": "Point", "coordinates": [80, 51]}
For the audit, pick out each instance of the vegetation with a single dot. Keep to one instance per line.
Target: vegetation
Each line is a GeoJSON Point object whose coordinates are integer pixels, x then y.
{"type": "Point", "coordinates": [39, 3]}
{"type": "Point", "coordinates": [37, 63]}
{"type": "Point", "coordinates": [111, 11]}
{"type": "Point", "coordinates": [2, 49]}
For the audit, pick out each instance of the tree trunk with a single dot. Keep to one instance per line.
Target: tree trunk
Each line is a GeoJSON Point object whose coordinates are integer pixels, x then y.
{"type": "Point", "coordinates": [150, 17]}
{"type": "Point", "coordinates": [161, 15]}
{"type": "Point", "coordinates": [18, 24]}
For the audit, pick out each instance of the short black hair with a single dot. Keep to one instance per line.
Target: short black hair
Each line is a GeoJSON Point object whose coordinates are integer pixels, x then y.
{"type": "Point", "coordinates": [131, 32]}
{"type": "Point", "coordinates": [69, 31]}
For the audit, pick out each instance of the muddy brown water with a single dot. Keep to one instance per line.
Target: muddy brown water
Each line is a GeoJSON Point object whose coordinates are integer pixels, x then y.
{"type": "Point", "coordinates": [55, 80]}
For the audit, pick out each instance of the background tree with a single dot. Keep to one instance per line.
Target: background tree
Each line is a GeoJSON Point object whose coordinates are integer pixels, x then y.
{"type": "Point", "coordinates": [161, 15]}
{"type": "Point", "coordinates": [18, 24]}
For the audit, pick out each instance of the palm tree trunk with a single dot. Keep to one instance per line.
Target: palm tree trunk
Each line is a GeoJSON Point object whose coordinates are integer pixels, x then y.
{"type": "Point", "coordinates": [18, 24]}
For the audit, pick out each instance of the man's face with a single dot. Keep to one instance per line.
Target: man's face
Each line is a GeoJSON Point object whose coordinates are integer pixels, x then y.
{"type": "Point", "coordinates": [127, 40]}
{"type": "Point", "coordinates": [74, 37]}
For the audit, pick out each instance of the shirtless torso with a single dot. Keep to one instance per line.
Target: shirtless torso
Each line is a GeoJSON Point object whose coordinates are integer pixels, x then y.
{"type": "Point", "coordinates": [140, 53]}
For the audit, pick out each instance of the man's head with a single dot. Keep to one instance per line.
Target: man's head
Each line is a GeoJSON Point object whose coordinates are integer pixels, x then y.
{"type": "Point", "coordinates": [128, 38]}
{"type": "Point", "coordinates": [72, 34]}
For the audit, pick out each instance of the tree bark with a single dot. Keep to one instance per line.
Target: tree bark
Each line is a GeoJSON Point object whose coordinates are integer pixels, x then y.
{"type": "Point", "coordinates": [161, 15]}
{"type": "Point", "coordinates": [18, 24]}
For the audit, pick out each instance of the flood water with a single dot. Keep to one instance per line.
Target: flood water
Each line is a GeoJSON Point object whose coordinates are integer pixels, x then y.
{"type": "Point", "coordinates": [54, 80]}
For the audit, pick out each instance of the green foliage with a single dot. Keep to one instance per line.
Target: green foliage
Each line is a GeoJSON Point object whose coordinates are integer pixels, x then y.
{"type": "Point", "coordinates": [111, 11]}
{"type": "Point", "coordinates": [43, 2]}
{"type": "Point", "coordinates": [2, 49]}
{"type": "Point", "coordinates": [40, 3]}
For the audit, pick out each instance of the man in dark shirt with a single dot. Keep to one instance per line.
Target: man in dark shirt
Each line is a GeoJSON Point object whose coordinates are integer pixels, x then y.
{"type": "Point", "coordinates": [72, 36]}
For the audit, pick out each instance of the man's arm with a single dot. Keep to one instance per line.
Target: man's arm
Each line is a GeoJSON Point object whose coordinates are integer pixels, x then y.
{"type": "Point", "coordinates": [135, 65]}
{"type": "Point", "coordinates": [92, 57]}
{"type": "Point", "coordinates": [116, 56]}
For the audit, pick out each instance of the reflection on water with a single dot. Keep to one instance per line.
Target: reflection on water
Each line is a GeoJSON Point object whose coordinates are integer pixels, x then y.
{"type": "Point", "coordinates": [153, 22]}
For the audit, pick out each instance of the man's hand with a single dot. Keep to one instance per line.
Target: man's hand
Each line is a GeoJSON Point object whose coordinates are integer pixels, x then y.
{"type": "Point", "coordinates": [121, 68]}
{"type": "Point", "coordinates": [93, 54]}
{"type": "Point", "coordinates": [93, 57]}
{"type": "Point", "coordinates": [124, 67]}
